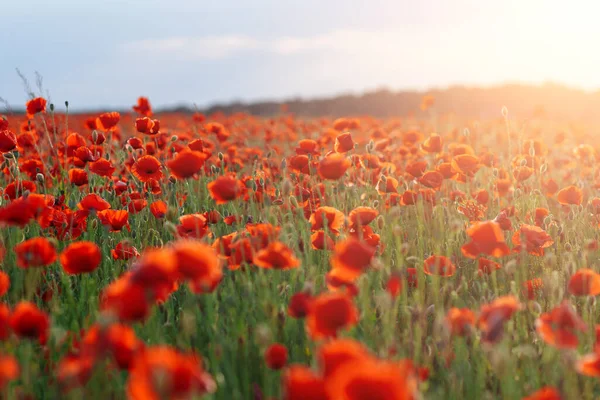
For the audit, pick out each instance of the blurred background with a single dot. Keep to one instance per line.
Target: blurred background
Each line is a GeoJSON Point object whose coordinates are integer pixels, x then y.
{"type": "Point", "coordinates": [103, 55]}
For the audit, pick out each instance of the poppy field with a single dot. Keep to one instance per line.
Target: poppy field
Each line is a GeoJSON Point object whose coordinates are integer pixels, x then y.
{"type": "Point", "coordinates": [181, 255]}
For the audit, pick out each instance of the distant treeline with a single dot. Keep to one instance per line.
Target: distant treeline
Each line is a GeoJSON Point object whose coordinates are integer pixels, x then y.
{"type": "Point", "coordinates": [522, 101]}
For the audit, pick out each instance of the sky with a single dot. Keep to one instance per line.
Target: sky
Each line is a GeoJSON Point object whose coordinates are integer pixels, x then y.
{"type": "Point", "coordinates": [106, 53]}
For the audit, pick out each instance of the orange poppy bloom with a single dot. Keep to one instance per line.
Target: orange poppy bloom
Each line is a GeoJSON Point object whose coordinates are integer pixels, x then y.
{"type": "Point", "coordinates": [197, 262]}
{"type": "Point", "coordinates": [492, 317]}
{"type": "Point", "coordinates": [307, 146]}
{"type": "Point", "coordinates": [465, 164]}
{"type": "Point", "coordinates": [394, 285]}
{"type": "Point", "coordinates": [532, 239]}
{"type": "Point", "coordinates": [333, 167]}
{"type": "Point", "coordinates": [329, 217]}
{"type": "Point", "coordinates": [321, 241]}
{"type": "Point", "coordinates": [28, 321]}
{"type": "Point", "coordinates": [108, 121]}
{"type": "Point", "coordinates": [433, 144]}
{"type": "Point", "coordinates": [276, 256]}
{"type": "Point", "coordinates": [439, 265]}
{"type": "Point", "coordinates": [362, 216]}
{"type": "Point", "coordinates": [432, 179]}
{"type": "Point", "coordinates": [34, 106]}
{"type": "Point", "coordinates": [459, 320]}
{"type": "Point", "coordinates": [328, 313]}
{"type": "Point", "coordinates": [559, 327]}
{"type": "Point", "coordinates": [387, 185]}
{"type": "Point", "coordinates": [158, 209]}
{"type": "Point", "coordinates": [143, 107]}
{"type": "Point", "coordinates": [545, 393]}
{"type": "Point", "coordinates": [9, 370]}
{"type": "Point", "coordinates": [351, 258]}
{"type": "Point", "coordinates": [186, 164]}
{"type": "Point", "coordinates": [36, 252]}
{"type": "Point", "coordinates": [486, 267]}
{"type": "Point", "coordinates": [343, 143]}
{"type": "Point", "coordinates": [225, 189]}
{"type": "Point", "coordinates": [486, 238]}
{"type": "Point", "coordinates": [126, 299]}
{"type": "Point", "coordinates": [334, 354]}
{"type": "Point", "coordinates": [276, 356]}
{"type": "Point", "coordinates": [162, 372]}
{"type": "Point", "coordinates": [299, 305]}
{"type": "Point", "coordinates": [80, 257]}
{"type": "Point", "coordinates": [372, 378]}
{"type": "Point", "coordinates": [146, 168]}
{"type": "Point", "coordinates": [584, 282]}
{"type": "Point", "coordinates": [571, 195]}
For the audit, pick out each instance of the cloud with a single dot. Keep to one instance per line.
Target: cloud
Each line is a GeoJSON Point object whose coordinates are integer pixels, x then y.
{"type": "Point", "coordinates": [220, 47]}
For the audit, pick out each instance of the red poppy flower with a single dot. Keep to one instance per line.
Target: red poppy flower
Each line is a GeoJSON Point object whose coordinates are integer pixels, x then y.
{"type": "Point", "coordinates": [8, 140]}
{"type": "Point", "coordinates": [571, 195]}
{"type": "Point", "coordinates": [344, 143]}
{"type": "Point", "coordinates": [439, 265]}
{"type": "Point", "coordinates": [108, 121]}
{"type": "Point", "coordinates": [333, 167]}
{"type": "Point", "coordinates": [584, 282]}
{"type": "Point", "coordinates": [493, 316]}
{"type": "Point", "coordinates": [93, 202]}
{"type": "Point", "coordinates": [459, 320]}
{"type": "Point", "coordinates": [186, 164]}
{"type": "Point", "coordinates": [545, 393]}
{"type": "Point", "coordinates": [351, 258]}
{"type": "Point", "coordinates": [143, 107]}
{"type": "Point", "coordinates": [300, 383]}
{"type": "Point", "coordinates": [80, 257]}
{"type": "Point", "coordinates": [146, 168]}
{"type": "Point", "coordinates": [559, 327]}
{"type": "Point", "coordinates": [486, 238]}
{"type": "Point", "coordinates": [532, 239]}
{"type": "Point", "coordinates": [28, 321]}
{"type": "Point", "coordinates": [225, 189]}
{"type": "Point", "coordinates": [9, 370]}
{"type": "Point", "coordinates": [276, 256]}
{"type": "Point", "coordinates": [158, 209]}
{"type": "Point", "coordinates": [162, 372]}
{"type": "Point", "coordinates": [114, 219]}
{"type": "Point", "coordinates": [36, 252]}
{"type": "Point", "coordinates": [276, 356]}
{"type": "Point", "coordinates": [34, 106]}
{"type": "Point", "coordinates": [330, 312]}
{"type": "Point", "coordinates": [329, 217]}
{"type": "Point", "coordinates": [124, 251]}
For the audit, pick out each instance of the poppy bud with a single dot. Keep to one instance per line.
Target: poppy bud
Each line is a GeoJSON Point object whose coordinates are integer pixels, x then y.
{"type": "Point", "coordinates": [293, 201]}
{"type": "Point", "coordinates": [466, 132]}
{"type": "Point", "coordinates": [67, 103]}
{"type": "Point", "coordinates": [94, 136]}
{"type": "Point", "coordinates": [543, 168]}
{"type": "Point", "coordinates": [51, 106]}
{"type": "Point", "coordinates": [39, 177]}
{"type": "Point", "coordinates": [8, 156]}
{"type": "Point", "coordinates": [220, 156]}
{"type": "Point", "coordinates": [504, 111]}
{"type": "Point", "coordinates": [174, 138]}
{"type": "Point", "coordinates": [531, 151]}
{"type": "Point", "coordinates": [283, 164]}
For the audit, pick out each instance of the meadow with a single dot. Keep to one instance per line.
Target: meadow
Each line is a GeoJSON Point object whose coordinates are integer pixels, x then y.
{"type": "Point", "coordinates": [182, 256]}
